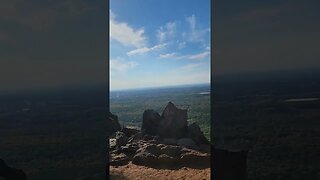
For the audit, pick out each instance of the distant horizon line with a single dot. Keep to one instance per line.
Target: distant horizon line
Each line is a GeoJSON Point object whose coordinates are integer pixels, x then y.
{"type": "Point", "coordinates": [20, 90]}
{"type": "Point", "coordinates": [156, 87]}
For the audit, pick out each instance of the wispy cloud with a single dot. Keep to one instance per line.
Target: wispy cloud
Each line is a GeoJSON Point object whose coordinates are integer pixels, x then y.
{"type": "Point", "coordinates": [167, 32]}
{"type": "Point", "coordinates": [199, 56]}
{"type": "Point", "coordinates": [191, 66]}
{"type": "Point", "coordinates": [145, 49]}
{"type": "Point", "coordinates": [126, 35]}
{"type": "Point", "coordinates": [173, 55]}
{"type": "Point", "coordinates": [121, 66]}
{"type": "Point", "coordinates": [195, 34]}
{"type": "Point", "coordinates": [168, 55]}
{"type": "Point", "coordinates": [181, 45]}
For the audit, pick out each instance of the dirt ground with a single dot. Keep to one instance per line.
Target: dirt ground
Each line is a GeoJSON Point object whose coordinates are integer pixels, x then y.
{"type": "Point", "coordinates": [132, 171]}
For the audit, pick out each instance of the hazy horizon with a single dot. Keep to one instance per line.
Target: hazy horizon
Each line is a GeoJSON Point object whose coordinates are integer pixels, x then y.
{"type": "Point", "coordinates": [160, 87]}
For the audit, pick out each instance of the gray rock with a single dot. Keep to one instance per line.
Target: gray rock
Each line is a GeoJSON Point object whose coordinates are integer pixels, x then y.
{"type": "Point", "coordinates": [167, 160]}
{"type": "Point", "coordinates": [171, 150]}
{"type": "Point", "coordinates": [147, 137]}
{"type": "Point", "coordinates": [129, 131]}
{"type": "Point", "coordinates": [112, 143]}
{"type": "Point", "coordinates": [161, 145]}
{"type": "Point", "coordinates": [114, 123]}
{"type": "Point", "coordinates": [173, 122]}
{"type": "Point", "coordinates": [153, 149]}
{"type": "Point", "coordinates": [145, 159]}
{"type": "Point", "coordinates": [129, 148]}
{"type": "Point", "coordinates": [136, 137]}
{"type": "Point", "coordinates": [196, 159]}
{"type": "Point", "coordinates": [205, 148]}
{"type": "Point", "coordinates": [150, 122]}
{"type": "Point", "coordinates": [121, 138]}
{"type": "Point", "coordinates": [196, 134]}
{"type": "Point", "coordinates": [119, 159]}
{"type": "Point", "coordinates": [169, 141]}
{"type": "Point", "coordinates": [187, 142]}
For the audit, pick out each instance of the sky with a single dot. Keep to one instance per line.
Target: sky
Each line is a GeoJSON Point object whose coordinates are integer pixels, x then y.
{"type": "Point", "coordinates": [159, 43]}
{"type": "Point", "coordinates": [52, 44]}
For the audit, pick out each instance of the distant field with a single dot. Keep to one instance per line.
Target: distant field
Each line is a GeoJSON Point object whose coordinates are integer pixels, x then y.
{"type": "Point", "coordinates": [130, 105]}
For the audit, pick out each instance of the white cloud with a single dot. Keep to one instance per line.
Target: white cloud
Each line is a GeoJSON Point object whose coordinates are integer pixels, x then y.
{"type": "Point", "coordinates": [121, 66]}
{"type": "Point", "coordinates": [192, 21]}
{"type": "Point", "coordinates": [190, 57]}
{"type": "Point", "coordinates": [166, 32]}
{"type": "Point", "coordinates": [194, 35]}
{"type": "Point", "coordinates": [191, 66]}
{"type": "Point", "coordinates": [199, 56]}
{"type": "Point", "coordinates": [182, 45]}
{"type": "Point", "coordinates": [145, 49]}
{"type": "Point", "coordinates": [112, 15]}
{"type": "Point", "coordinates": [169, 55]}
{"type": "Point", "coordinates": [126, 35]}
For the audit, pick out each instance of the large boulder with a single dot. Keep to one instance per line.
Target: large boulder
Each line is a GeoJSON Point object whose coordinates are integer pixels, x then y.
{"type": "Point", "coordinates": [130, 131]}
{"type": "Point", "coordinates": [167, 161]}
{"type": "Point", "coordinates": [118, 159]}
{"type": "Point", "coordinates": [153, 149]}
{"type": "Point", "coordinates": [121, 139]}
{"type": "Point", "coordinates": [150, 122]}
{"type": "Point", "coordinates": [187, 142]}
{"type": "Point", "coordinates": [173, 122]}
{"type": "Point", "coordinates": [112, 143]}
{"type": "Point", "coordinates": [145, 158]}
{"type": "Point", "coordinates": [196, 134]}
{"type": "Point", "coordinates": [129, 148]}
{"type": "Point", "coordinates": [138, 136]}
{"type": "Point", "coordinates": [196, 159]}
{"type": "Point", "coordinates": [169, 141]}
{"type": "Point", "coordinates": [113, 122]}
{"type": "Point", "coordinates": [171, 150]}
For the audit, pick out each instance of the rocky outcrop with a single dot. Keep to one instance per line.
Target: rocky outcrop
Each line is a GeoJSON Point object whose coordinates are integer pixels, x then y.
{"type": "Point", "coordinates": [164, 141]}
{"type": "Point", "coordinates": [155, 152]}
{"type": "Point", "coordinates": [150, 122]}
{"type": "Point", "coordinates": [129, 131]}
{"type": "Point", "coordinates": [187, 142]}
{"type": "Point", "coordinates": [196, 134]}
{"type": "Point", "coordinates": [172, 127]}
{"type": "Point", "coordinates": [113, 122]}
{"type": "Point", "coordinates": [173, 123]}
{"type": "Point", "coordinates": [121, 139]}
{"type": "Point", "coordinates": [119, 159]}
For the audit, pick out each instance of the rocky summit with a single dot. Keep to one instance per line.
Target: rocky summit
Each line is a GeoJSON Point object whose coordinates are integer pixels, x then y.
{"type": "Point", "coordinates": [164, 141]}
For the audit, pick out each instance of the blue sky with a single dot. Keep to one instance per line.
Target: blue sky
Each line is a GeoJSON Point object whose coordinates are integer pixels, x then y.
{"type": "Point", "coordinates": [159, 43]}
